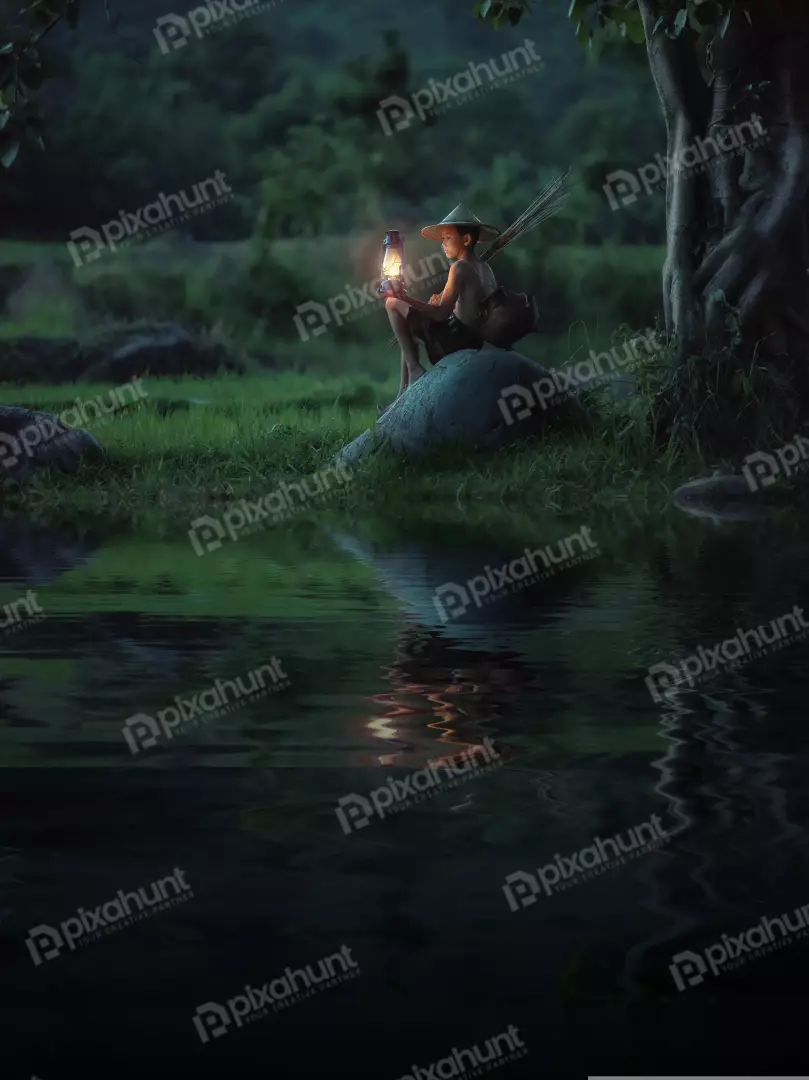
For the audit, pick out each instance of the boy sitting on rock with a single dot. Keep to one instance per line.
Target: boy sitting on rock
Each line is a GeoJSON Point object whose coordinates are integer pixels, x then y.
{"type": "Point", "coordinates": [451, 321]}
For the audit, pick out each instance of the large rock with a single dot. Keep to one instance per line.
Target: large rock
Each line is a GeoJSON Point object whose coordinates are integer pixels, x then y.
{"type": "Point", "coordinates": [486, 398]}
{"type": "Point", "coordinates": [12, 276]}
{"type": "Point", "coordinates": [32, 360]}
{"type": "Point", "coordinates": [32, 440]}
{"type": "Point", "coordinates": [113, 354]}
{"type": "Point", "coordinates": [124, 353]}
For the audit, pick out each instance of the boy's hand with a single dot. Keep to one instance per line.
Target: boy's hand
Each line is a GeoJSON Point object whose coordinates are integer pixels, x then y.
{"type": "Point", "coordinates": [435, 298]}
{"type": "Point", "coordinates": [389, 291]}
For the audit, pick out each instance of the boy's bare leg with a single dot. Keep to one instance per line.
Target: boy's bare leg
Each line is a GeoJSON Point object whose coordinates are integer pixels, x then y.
{"type": "Point", "coordinates": [411, 368]}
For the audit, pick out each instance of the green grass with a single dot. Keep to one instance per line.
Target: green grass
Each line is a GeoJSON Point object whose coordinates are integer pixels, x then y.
{"type": "Point", "coordinates": [254, 432]}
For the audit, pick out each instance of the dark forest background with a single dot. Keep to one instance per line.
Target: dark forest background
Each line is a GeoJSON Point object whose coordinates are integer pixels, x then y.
{"type": "Point", "coordinates": [284, 102]}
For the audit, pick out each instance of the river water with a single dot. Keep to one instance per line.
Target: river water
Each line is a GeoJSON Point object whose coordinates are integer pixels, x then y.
{"type": "Point", "coordinates": [449, 795]}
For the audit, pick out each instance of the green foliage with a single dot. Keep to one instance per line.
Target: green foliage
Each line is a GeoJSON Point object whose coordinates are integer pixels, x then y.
{"type": "Point", "coordinates": [246, 295]}
{"type": "Point", "coordinates": [610, 18]}
{"type": "Point", "coordinates": [715, 406]}
{"type": "Point", "coordinates": [301, 142]}
{"type": "Point", "coordinates": [246, 56]}
{"type": "Point", "coordinates": [23, 71]}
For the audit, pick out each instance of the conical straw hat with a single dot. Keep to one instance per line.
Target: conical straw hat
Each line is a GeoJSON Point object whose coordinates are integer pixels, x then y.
{"type": "Point", "coordinates": [461, 216]}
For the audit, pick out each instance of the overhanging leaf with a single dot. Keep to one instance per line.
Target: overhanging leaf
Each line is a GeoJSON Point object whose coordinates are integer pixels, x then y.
{"type": "Point", "coordinates": [679, 23]}
{"type": "Point", "coordinates": [10, 154]}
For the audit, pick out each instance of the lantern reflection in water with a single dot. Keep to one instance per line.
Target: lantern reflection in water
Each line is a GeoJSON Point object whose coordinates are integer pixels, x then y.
{"type": "Point", "coordinates": [436, 707]}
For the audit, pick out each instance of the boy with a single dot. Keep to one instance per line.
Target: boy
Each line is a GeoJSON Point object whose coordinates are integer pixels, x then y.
{"type": "Point", "coordinates": [451, 320]}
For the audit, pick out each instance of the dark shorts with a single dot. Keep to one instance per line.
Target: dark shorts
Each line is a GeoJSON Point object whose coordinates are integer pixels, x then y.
{"type": "Point", "coordinates": [442, 338]}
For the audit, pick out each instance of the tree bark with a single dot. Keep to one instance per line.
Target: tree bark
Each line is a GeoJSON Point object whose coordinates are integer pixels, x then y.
{"type": "Point", "coordinates": [737, 269]}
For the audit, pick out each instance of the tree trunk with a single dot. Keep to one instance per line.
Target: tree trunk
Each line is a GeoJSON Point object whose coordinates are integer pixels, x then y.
{"type": "Point", "coordinates": [736, 277]}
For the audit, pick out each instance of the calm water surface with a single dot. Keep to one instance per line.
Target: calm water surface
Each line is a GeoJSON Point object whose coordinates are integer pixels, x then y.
{"type": "Point", "coordinates": [547, 682]}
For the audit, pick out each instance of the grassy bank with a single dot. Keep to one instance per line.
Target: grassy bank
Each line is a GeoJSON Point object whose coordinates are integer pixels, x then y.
{"type": "Point", "coordinates": [195, 444]}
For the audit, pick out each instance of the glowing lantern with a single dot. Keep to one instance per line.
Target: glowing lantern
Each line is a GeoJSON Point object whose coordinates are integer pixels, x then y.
{"type": "Point", "coordinates": [392, 283]}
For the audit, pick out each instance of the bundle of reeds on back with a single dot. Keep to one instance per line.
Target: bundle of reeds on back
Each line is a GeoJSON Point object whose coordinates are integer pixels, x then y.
{"type": "Point", "coordinates": [545, 205]}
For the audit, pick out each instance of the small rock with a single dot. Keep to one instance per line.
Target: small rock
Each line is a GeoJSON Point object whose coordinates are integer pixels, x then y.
{"type": "Point", "coordinates": [31, 440]}
{"type": "Point", "coordinates": [720, 498]}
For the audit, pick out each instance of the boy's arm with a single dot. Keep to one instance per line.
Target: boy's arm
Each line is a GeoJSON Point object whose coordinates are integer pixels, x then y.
{"type": "Point", "coordinates": [441, 311]}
